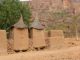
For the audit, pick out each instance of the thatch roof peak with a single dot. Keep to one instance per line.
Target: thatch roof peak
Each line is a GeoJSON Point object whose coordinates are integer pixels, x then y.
{"type": "Point", "coordinates": [20, 23]}
{"type": "Point", "coordinates": [36, 24]}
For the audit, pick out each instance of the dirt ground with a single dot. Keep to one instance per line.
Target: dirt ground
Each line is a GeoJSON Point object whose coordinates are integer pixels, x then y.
{"type": "Point", "coordinates": [69, 51]}
{"type": "Point", "coordinates": [72, 53]}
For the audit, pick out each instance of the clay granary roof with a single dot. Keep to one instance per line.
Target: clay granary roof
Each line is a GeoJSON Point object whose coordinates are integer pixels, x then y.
{"type": "Point", "coordinates": [36, 24]}
{"type": "Point", "coordinates": [20, 24]}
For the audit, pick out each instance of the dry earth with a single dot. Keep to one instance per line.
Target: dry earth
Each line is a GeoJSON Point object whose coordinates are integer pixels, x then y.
{"type": "Point", "coordinates": [72, 53]}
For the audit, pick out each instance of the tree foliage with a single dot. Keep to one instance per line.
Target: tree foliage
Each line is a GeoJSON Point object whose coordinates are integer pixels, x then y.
{"type": "Point", "coordinates": [25, 10]}
{"type": "Point", "coordinates": [10, 12]}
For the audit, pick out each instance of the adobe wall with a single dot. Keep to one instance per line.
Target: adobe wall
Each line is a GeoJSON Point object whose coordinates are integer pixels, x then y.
{"type": "Point", "coordinates": [56, 33]}
{"type": "Point", "coordinates": [56, 42]}
{"type": "Point", "coordinates": [47, 38]}
{"type": "Point", "coordinates": [21, 39]}
{"type": "Point", "coordinates": [38, 38]}
{"type": "Point", "coordinates": [3, 42]}
{"type": "Point", "coordinates": [56, 39]}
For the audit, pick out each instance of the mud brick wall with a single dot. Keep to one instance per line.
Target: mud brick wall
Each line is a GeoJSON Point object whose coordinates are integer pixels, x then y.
{"type": "Point", "coordinates": [56, 42]}
{"type": "Point", "coordinates": [56, 33]}
{"type": "Point", "coordinates": [38, 38]}
{"type": "Point", "coordinates": [21, 40]}
{"type": "Point", "coordinates": [47, 38]}
{"type": "Point", "coordinates": [46, 33]}
{"type": "Point", "coordinates": [3, 42]}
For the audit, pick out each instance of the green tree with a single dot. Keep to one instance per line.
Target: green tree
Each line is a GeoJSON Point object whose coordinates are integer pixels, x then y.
{"type": "Point", "coordinates": [25, 11]}
{"type": "Point", "coordinates": [10, 12]}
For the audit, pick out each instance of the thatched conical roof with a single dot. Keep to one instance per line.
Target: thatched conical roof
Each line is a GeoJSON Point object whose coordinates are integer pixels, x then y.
{"type": "Point", "coordinates": [36, 24]}
{"type": "Point", "coordinates": [20, 24]}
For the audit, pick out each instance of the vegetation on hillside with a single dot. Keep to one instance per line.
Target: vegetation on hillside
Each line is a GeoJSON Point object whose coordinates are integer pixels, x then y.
{"type": "Point", "coordinates": [65, 21]}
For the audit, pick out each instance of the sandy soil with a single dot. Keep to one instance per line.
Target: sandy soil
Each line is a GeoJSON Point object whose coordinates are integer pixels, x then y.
{"type": "Point", "coordinates": [72, 53]}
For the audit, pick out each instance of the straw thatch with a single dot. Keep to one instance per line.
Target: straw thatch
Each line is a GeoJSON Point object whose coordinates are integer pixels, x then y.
{"type": "Point", "coordinates": [56, 33]}
{"type": "Point", "coordinates": [3, 42]}
{"type": "Point", "coordinates": [37, 25]}
{"type": "Point", "coordinates": [38, 38]}
{"type": "Point", "coordinates": [20, 24]}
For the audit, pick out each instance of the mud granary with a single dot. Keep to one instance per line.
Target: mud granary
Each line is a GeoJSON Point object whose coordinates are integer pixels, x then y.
{"type": "Point", "coordinates": [38, 36]}
{"type": "Point", "coordinates": [19, 34]}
